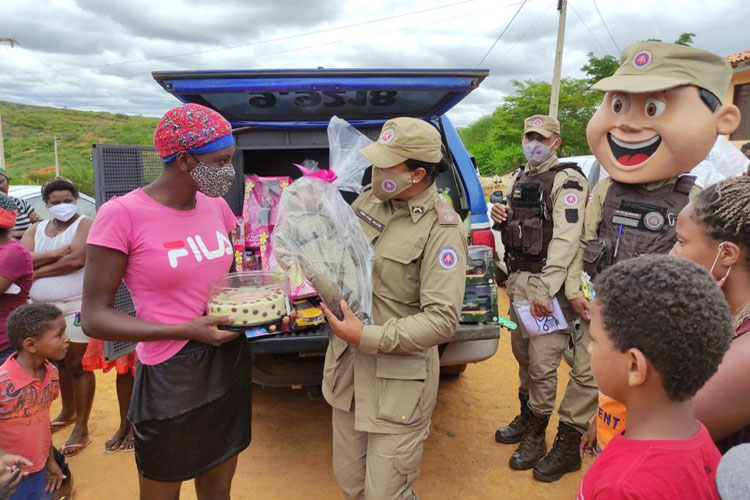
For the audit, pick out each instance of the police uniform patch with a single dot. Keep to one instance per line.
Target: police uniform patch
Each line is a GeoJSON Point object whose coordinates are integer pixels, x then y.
{"type": "Point", "coordinates": [572, 184]}
{"type": "Point", "coordinates": [387, 136]}
{"type": "Point", "coordinates": [571, 215]}
{"type": "Point", "coordinates": [446, 215]}
{"type": "Point", "coordinates": [653, 221]}
{"type": "Point", "coordinates": [388, 186]}
{"type": "Point", "coordinates": [538, 122]}
{"type": "Point", "coordinates": [571, 199]}
{"type": "Point", "coordinates": [448, 257]}
{"type": "Point", "coordinates": [370, 220]}
{"type": "Point", "coordinates": [417, 210]}
{"type": "Point", "coordinates": [625, 218]}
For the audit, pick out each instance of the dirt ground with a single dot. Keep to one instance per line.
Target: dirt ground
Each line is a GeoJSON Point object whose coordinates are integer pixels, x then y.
{"type": "Point", "coordinates": [290, 456]}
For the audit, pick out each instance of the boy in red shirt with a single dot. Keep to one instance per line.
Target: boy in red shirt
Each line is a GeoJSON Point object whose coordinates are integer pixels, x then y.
{"type": "Point", "coordinates": [28, 385]}
{"type": "Point", "coordinates": [659, 329]}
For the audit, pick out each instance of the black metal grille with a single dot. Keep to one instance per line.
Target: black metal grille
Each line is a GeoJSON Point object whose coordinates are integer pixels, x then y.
{"type": "Point", "coordinates": [117, 171]}
{"type": "Point", "coordinates": [235, 196]}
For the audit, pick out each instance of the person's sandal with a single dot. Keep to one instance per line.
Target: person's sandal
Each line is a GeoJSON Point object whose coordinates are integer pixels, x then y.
{"type": "Point", "coordinates": [128, 444]}
{"type": "Point", "coordinates": [60, 425]}
{"type": "Point", "coordinates": [74, 449]}
{"type": "Point", "coordinates": [114, 445]}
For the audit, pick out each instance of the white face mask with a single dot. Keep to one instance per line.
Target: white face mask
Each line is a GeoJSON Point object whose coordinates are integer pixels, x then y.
{"type": "Point", "coordinates": [536, 152]}
{"type": "Point", "coordinates": [63, 212]}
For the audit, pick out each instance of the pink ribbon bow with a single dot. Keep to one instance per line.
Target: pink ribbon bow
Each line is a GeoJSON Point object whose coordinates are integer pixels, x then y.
{"type": "Point", "coordinates": [322, 174]}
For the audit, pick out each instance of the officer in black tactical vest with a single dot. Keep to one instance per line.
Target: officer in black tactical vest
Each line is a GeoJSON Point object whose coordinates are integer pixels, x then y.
{"type": "Point", "coordinates": [541, 226]}
{"type": "Point", "coordinates": [661, 114]}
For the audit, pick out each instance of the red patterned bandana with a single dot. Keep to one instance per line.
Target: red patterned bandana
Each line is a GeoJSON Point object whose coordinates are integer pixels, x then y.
{"type": "Point", "coordinates": [7, 212]}
{"type": "Point", "coordinates": [191, 127]}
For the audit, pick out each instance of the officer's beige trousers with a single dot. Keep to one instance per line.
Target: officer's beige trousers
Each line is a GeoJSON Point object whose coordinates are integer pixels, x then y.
{"type": "Point", "coordinates": [375, 466]}
{"type": "Point", "coordinates": [538, 358]}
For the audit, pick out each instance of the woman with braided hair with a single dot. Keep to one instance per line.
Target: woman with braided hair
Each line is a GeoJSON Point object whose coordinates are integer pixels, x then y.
{"type": "Point", "coordinates": [714, 232]}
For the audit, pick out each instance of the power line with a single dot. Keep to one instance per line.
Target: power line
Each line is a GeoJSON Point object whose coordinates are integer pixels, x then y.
{"type": "Point", "coordinates": [296, 49]}
{"type": "Point", "coordinates": [334, 42]}
{"type": "Point", "coordinates": [543, 13]}
{"type": "Point", "coordinates": [272, 40]}
{"type": "Point", "coordinates": [317, 45]}
{"type": "Point", "coordinates": [501, 33]}
{"type": "Point", "coordinates": [587, 29]}
{"type": "Point", "coordinates": [606, 27]}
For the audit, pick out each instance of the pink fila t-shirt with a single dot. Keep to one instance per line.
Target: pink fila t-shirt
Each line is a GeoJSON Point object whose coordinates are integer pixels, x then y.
{"type": "Point", "coordinates": [173, 256]}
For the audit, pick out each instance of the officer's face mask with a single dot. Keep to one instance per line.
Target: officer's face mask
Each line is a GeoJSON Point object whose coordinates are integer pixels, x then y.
{"type": "Point", "coordinates": [387, 185]}
{"type": "Point", "coordinates": [536, 152]}
{"type": "Point", "coordinates": [723, 280]}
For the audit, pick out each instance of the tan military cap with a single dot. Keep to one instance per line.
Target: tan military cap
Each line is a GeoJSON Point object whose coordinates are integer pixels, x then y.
{"type": "Point", "coordinates": [402, 139]}
{"type": "Point", "coordinates": [654, 66]}
{"type": "Point", "coordinates": [542, 124]}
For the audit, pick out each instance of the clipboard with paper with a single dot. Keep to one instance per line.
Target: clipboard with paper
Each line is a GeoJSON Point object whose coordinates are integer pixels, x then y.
{"type": "Point", "coordinates": [543, 325]}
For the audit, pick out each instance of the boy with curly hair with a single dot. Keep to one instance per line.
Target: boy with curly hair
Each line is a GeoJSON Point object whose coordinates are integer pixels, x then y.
{"type": "Point", "coordinates": [659, 329]}
{"type": "Point", "coordinates": [28, 385]}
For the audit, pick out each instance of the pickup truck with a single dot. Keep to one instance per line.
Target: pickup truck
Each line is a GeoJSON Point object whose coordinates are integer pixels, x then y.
{"type": "Point", "coordinates": [280, 118]}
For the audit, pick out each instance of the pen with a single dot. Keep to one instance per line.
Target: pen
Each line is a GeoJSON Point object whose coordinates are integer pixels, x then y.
{"type": "Point", "coordinates": [617, 243]}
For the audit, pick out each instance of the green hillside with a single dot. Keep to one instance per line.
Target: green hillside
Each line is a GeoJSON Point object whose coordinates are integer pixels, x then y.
{"type": "Point", "coordinates": [29, 149]}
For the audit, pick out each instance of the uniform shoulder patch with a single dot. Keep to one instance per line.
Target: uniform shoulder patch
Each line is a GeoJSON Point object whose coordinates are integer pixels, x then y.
{"type": "Point", "coordinates": [446, 215]}
{"type": "Point", "coordinates": [571, 199]}
{"type": "Point", "coordinates": [571, 215]}
{"type": "Point", "coordinates": [448, 257]}
{"type": "Point", "coordinates": [685, 184]}
{"type": "Point", "coordinates": [572, 184]}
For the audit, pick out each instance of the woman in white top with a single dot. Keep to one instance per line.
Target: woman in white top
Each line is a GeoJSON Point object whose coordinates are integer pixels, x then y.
{"type": "Point", "coordinates": [58, 249]}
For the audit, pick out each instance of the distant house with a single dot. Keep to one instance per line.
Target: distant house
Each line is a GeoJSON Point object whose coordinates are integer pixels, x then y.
{"type": "Point", "coordinates": [739, 94]}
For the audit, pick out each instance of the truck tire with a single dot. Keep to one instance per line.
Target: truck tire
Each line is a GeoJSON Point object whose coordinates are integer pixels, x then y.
{"type": "Point", "coordinates": [452, 371]}
{"type": "Point", "coordinates": [314, 392]}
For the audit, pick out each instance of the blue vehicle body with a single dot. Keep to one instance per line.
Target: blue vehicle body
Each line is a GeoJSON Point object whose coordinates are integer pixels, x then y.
{"type": "Point", "coordinates": [296, 99]}
{"type": "Point", "coordinates": [278, 112]}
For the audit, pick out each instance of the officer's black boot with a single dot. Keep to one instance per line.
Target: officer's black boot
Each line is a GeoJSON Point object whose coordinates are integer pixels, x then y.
{"type": "Point", "coordinates": [511, 433]}
{"type": "Point", "coordinates": [533, 446]}
{"type": "Point", "coordinates": [563, 457]}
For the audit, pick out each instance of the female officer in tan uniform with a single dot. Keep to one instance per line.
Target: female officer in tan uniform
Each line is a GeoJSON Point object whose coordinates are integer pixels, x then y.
{"type": "Point", "coordinates": [382, 379]}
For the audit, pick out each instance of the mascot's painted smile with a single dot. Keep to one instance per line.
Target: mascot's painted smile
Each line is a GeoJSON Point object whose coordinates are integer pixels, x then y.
{"type": "Point", "coordinates": [631, 154]}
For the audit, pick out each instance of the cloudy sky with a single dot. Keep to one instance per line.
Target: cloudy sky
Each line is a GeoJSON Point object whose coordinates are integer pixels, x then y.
{"type": "Point", "coordinates": [99, 54]}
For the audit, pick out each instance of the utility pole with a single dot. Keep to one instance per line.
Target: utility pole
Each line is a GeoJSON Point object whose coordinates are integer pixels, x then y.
{"type": "Point", "coordinates": [562, 6]}
{"type": "Point", "coordinates": [2, 149]}
{"type": "Point", "coordinates": [13, 42]}
{"type": "Point", "coordinates": [57, 164]}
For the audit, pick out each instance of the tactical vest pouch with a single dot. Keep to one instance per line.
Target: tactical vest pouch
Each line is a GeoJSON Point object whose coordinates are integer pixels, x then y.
{"type": "Point", "coordinates": [596, 257]}
{"type": "Point", "coordinates": [525, 237]}
{"type": "Point", "coordinates": [513, 233]}
{"type": "Point", "coordinates": [532, 239]}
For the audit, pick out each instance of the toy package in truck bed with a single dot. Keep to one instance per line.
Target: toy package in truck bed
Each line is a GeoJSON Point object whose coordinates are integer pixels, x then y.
{"type": "Point", "coordinates": [261, 206]}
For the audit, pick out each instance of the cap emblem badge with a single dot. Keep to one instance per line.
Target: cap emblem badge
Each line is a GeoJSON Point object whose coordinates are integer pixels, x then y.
{"type": "Point", "coordinates": [642, 59]}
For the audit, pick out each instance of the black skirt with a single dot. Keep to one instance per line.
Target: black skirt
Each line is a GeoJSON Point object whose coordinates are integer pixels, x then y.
{"type": "Point", "coordinates": [192, 412]}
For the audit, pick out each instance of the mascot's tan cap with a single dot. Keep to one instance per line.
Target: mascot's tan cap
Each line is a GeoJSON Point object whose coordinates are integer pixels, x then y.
{"type": "Point", "coordinates": [654, 66]}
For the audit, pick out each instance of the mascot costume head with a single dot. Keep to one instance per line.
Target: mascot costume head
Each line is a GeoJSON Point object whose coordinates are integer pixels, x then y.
{"type": "Point", "coordinates": [662, 112]}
